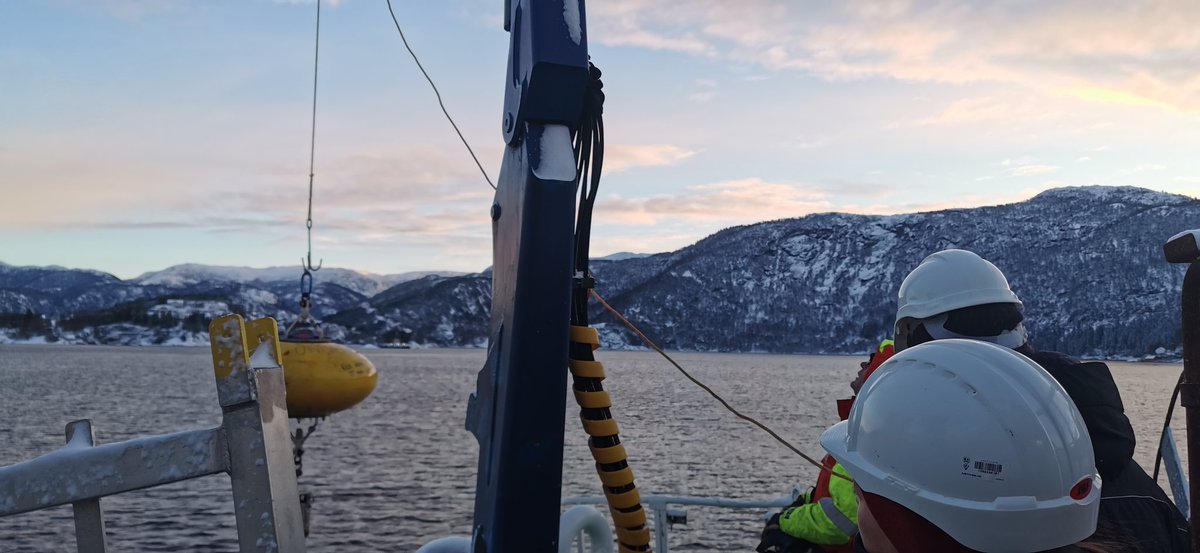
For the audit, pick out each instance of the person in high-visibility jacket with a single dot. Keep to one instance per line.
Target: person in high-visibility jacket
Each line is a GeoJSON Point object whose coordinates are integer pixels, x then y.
{"type": "Point", "coordinates": [886, 349]}
{"type": "Point", "coordinates": [826, 518]}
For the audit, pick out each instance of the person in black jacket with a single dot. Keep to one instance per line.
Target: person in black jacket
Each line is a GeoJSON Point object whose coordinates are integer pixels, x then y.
{"type": "Point", "coordinates": [957, 294]}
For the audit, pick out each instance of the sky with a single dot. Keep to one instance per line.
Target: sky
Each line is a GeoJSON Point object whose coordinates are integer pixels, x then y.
{"type": "Point", "coordinates": [140, 134]}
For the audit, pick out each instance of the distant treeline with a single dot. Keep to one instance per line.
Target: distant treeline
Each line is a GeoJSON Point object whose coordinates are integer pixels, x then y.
{"type": "Point", "coordinates": [140, 312]}
{"type": "Point", "coordinates": [27, 325]}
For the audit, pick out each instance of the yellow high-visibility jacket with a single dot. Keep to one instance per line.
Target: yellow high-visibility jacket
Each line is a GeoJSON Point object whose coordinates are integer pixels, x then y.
{"type": "Point", "coordinates": [825, 518]}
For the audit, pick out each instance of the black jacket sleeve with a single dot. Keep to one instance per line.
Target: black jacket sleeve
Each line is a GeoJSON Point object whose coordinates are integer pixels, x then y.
{"type": "Point", "coordinates": [1091, 387]}
{"type": "Point", "coordinates": [1135, 513]}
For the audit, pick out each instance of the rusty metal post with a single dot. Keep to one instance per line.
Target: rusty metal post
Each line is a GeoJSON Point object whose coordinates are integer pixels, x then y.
{"type": "Point", "coordinates": [1185, 248]}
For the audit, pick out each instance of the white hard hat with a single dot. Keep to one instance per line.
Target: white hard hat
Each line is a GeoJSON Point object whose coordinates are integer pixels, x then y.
{"type": "Point", "coordinates": [977, 439]}
{"type": "Point", "coordinates": [949, 280]}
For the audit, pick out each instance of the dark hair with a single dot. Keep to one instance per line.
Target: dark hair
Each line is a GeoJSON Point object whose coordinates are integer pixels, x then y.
{"type": "Point", "coordinates": [989, 319]}
{"type": "Point", "coordinates": [978, 321]}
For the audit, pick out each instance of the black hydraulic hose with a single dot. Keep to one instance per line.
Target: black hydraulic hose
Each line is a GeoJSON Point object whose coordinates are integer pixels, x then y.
{"type": "Point", "coordinates": [589, 161]}
{"type": "Point", "coordinates": [595, 406]}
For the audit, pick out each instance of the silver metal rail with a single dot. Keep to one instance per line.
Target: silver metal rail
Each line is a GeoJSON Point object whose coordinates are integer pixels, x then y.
{"type": "Point", "coordinates": [1176, 476]}
{"type": "Point", "coordinates": [665, 516]}
{"type": "Point", "coordinates": [573, 525]}
{"type": "Point", "coordinates": [252, 445]}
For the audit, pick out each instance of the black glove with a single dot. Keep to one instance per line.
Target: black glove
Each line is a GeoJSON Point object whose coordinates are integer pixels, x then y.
{"type": "Point", "coordinates": [802, 498]}
{"type": "Point", "coordinates": [773, 539]}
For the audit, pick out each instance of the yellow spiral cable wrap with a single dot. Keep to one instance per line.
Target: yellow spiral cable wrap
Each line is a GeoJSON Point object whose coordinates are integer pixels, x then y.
{"type": "Point", "coordinates": [624, 502]}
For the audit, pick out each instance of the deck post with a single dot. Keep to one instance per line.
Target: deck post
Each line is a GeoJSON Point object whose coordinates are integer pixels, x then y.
{"type": "Point", "coordinates": [250, 389]}
{"type": "Point", "coordinates": [89, 519]}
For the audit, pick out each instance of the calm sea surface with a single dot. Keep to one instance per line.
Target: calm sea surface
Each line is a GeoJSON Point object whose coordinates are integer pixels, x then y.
{"type": "Point", "coordinates": [399, 470]}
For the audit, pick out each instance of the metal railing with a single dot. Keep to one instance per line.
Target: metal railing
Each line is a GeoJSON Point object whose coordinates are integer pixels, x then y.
{"type": "Point", "coordinates": [1176, 476]}
{"type": "Point", "coordinates": [253, 445]}
{"type": "Point", "coordinates": [579, 521]}
{"type": "Point", "coordinates": [665, 516]}
{"type": "Point", "coordinates": [583, 520]}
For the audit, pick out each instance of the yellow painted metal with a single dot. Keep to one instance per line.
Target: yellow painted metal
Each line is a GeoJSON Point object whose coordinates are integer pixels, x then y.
{"type": "Point", "coordinates": [228, 341]}
{"type": "Point", "coordinates": [264, 331]}
{"type": "Point", "coordinates": [323, 378]}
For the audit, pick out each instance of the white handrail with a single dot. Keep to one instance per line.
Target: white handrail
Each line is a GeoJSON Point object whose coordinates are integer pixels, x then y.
{"type": "Point", "coordinates": [664, 517]}
{"type": "Point", "coordinates": [580, 520]}
{"type": "Point", "coordinates": [574, 524]}
{"type": "Point", "coordinates": [448, 544]}
{"type": "Point", "coordinates": [658, 501]}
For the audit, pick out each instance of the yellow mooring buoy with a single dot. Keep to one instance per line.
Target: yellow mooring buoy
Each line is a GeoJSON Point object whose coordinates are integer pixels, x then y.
{"type": "Point", "coordinates": [323, 378]}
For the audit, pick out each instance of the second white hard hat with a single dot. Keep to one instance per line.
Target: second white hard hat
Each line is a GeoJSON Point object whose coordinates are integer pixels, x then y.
{"type": "Point", "coordinates": [949, 280]}
{"type": "Point", "coordinates": [977, 439]}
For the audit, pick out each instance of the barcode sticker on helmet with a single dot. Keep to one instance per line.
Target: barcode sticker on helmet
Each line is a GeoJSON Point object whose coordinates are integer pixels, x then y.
{"type": "Point", "coordinates": [982, 468]}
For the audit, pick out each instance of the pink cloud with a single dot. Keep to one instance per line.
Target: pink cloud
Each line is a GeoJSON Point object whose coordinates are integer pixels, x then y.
{"type": "Point", "coordinates": [622, 157]}
{"type": "Point", "coordinates": [1031, 170]}
{"type": "Point", "coordinates": [1050, 48]}
{"type": "Point", "coordinates": [727, 202]}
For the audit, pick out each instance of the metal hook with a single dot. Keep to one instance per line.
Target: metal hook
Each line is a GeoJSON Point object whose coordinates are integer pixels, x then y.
{"type": "Point", "coordinates": [307, 265]}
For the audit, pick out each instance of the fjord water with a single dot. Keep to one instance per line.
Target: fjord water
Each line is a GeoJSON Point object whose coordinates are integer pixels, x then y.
{"type": "Point", "coordinates": [399, 470]}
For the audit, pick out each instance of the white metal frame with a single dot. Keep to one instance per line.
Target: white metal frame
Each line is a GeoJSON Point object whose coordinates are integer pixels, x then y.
{"type": "Point", "coordinates": [665, 516]}
{"type": "Point", "coordinates": [252, 445]}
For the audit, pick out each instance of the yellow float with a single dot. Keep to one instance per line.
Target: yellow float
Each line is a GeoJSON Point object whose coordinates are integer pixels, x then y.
{"type": "Point", "coordinates": [322, 377]}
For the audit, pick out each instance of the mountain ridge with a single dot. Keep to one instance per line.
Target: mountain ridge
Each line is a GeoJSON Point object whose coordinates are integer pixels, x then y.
{"type": "Point", "coordinates": [1086, 261]}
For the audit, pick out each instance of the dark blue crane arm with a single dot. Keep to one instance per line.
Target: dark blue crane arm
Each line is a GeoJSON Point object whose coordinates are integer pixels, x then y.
{"type": "Point", "coordinates": [547, 64]}
{"type": "Point", "coordinates": [517, 410]}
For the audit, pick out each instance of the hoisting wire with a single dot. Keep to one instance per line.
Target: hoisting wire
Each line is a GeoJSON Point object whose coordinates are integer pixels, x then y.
{"type": "Point", "coordinates": [583, 149]}
{"type": "Point", "coordinates": [306, 263]}
{"type": "Point", "coordinates": [312, 149]}
{"type": "Point", "coordinates": [710, 391]}
{"type": "Point", "coordinates": [439, 96]}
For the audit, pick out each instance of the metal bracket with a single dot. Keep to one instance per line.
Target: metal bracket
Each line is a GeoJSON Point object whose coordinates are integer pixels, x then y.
{"type": "Point", "coordinates": [547, 64]}
{"type": "Point", "coordinates": [1183, 247]}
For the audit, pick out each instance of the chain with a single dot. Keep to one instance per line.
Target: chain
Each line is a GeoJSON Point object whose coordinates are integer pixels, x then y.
{"type": "Point", "coordinates": [298, 438]}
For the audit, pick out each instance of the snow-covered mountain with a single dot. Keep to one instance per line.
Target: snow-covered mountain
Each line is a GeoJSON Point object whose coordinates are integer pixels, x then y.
{"type": "Point", "coordinates": [93, 307]}
{"type": "Point", "coordinates": [367, 284]}
{"type": "Point", "coordinates": [621, 256]}
{"type": "Point", "coordinates": [1087, 261]}
{"type": "Point", "coordinates": [433, 311]}
{"type": "Point", "coordinates": [57, 290]}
